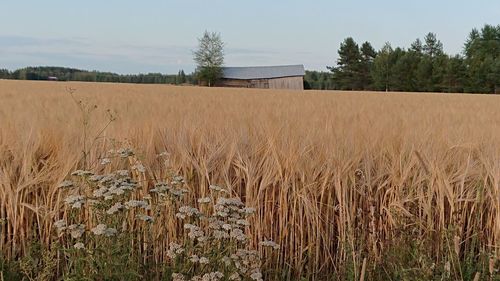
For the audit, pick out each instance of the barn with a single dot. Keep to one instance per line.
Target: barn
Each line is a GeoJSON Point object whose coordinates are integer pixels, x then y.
{"type": "Point", "coordinates": [264, 77]}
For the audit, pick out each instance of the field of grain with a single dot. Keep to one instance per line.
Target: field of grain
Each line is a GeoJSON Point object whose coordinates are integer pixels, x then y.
{"type": "Point", "coordinates": [337, 178]}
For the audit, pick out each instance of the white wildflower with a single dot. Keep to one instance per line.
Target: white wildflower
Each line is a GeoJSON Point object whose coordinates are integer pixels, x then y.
{"type": "Point", "coordinates": [204, 200]}
{"type": "Point", "coordinates": [235, 277]}
{"type": "Point", "coordinates": [194, 259]}
{"type": "Point", "coordinates": [226, 260]}
{"type": "Point", "coordinates": [238, 234]}
{"type": "Point", "coordinates": [160, 187]}
{"type": "Point", "coordinates": [217, 188]}
{"type": "Point", "coordinates": [100, 229]}
{"type": "Point", "coordinates": [75, 201]}
{"type": "Point", "coordinates": [139, 167]}
{"type": "Point", "coordinates": [177, 180]}
{"type": "Point", "coordinates": [212, 276]}
{"type": "Point", "coordinates": [248, 210]}
{"type": "Point", "coordinates": [79, 245]}
{"type": "Point", "coordinates": [174, 249]}
{"type": "Point", "coordinates": [177, 192]}
{"type": "Point", "coordinates": [203, 260]}
{"type": "Point", "coordinates": [105, 161]}
{"type": "Point", "coordinates": [115, 208]}
{"type": "Point", "coordinates": [136, 203]}
{"type": "Point", "coordinates": [122, 173]}
{"type": "Point", "coordinates": [256, 276]}
{"type": "Point", "coordinates": [243, 222]}
{"type": "Point", "coordinates": [163, 154]}
{"type": "Point", "coordinates": [229, 201]}
{"type": "Point", "coordinates": [226, 226]}
{"type": "Point", "coordinates": [125, 152]}
{"type": "Point", "coordinates": [76, 230]}
{"type": "Point", "coordinates": [190, 226]}
{"type": "Point", "coordinates": [110, 232]}
{"type": "Point", "coordinates": [195, 232]}
{"type": "Point", "coordinates": [222, 214]}
{"type": "Point", "coordinates": [178, 277]}
{"type": "Point", "coordinates": [187, 211]}
{"type": "Point", "coordinates": [270, 244]}
{"type": "Point", "coordinates": [82, 173]}
{"type": "Point", "coordinates": [66, 183]}
{"type": "Point", "coordinates": [60, 224]}
{"type": "Point", "coordinates": [145, 218]}
{"type": "Point", "coordinates": [100, 192]}
{"type": "Point", "coordinates": [116, 190]}
{"type": "Point", "coordinates": [92, 202]}
{"type": "Point", "coordinates": [96, 178]}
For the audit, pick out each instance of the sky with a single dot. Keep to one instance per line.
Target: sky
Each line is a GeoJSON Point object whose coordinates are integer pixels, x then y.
{"type": "Point", "coordinates": [125, 36]}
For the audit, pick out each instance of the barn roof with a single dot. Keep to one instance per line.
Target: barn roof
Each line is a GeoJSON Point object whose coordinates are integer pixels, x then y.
{"type": "Point", "coordinates": [262, 72]}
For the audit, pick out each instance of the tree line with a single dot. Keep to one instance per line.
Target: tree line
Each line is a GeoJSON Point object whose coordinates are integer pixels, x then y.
{"type": "Point", "coordinates": [423, 67]}
{"type": "Point", "coordinates": [72, 74]}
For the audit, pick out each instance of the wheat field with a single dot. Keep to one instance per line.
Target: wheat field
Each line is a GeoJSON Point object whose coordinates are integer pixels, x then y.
{"type": "Point", "coordinates": [337, 178]}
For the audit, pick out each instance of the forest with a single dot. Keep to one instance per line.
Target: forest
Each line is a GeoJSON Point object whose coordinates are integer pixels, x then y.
{"type": "Point", "coordinates": [422, 67]}
{"type": "Point", "coordinates": [72, 74]}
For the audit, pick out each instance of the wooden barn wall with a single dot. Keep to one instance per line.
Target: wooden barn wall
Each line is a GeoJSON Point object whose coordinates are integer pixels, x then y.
{"type": "Point", "coordinates": [292, 83]}
{"type": "Point", "coordinates": [234, 83]}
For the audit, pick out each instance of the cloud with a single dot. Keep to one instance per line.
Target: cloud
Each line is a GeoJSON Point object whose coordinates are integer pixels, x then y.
{"type": "Point", "coordinates": [21, 51]}
{"type": "Point", "coordinates": [18, 51]}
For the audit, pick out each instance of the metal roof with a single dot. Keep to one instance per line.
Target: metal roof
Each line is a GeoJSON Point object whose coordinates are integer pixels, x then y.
{"type": "Point", "coordinates": [262, 72]}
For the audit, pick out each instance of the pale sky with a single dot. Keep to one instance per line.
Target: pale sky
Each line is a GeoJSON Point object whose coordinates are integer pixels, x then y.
{"type": "Point", "coordinates": [159, 36]}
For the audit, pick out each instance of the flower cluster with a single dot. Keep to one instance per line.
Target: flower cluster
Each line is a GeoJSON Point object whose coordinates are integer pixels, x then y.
{"type": "Point", "coordinates": [217, 240]}
{"type": "Point", "coordinates": [214, 245]}
{"type": "Point", "coordinates": [108, 196]}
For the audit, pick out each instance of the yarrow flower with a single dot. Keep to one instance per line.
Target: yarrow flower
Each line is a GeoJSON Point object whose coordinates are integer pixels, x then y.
{"type": "Point", "coordinates": [177, 192]}
{"type": "Point", "coordinates": [115, 208]}
{"type": "Point", "coordinates": [238, 234]}
{"type": "Point", "coordinates": [270, 244]}
{"type": "Point", "coordinates": [163, 154]}
{"type": "Point", "coordinates": [178, 180]}
{"type": "Point", "coordinates": [79, 245]}
{"type": "Point", "coordinates": [243, 222]}
{"type": "Point", "coordinates": [217, 188]}
{"type": "Point", "coordinates": [76, 230]}
{"type": "Point", "coordinates": [82, 173]}
{"type": "Point", "coordinates": [160, 187]}
{"type": "Point", "coordinates": [60, 225]}
{"type": "Point", "coordinates": [174, 249]}
{"type": "Point", "coordinates": [105, 161]}
{"type": "Point", "coordinates": [96, 178]}
{"type": "Point", "coordinates": [102, 229]}
{"type": "Point", "coordinates": [136, 203]}
{"type": "Point", "coordinates": [178, 277]}
{"type": "Point", "coordinates": [65, 184]}
{"type": "Point", "coordinates": [139, 167]}
{"type": "Point", "coordinates": [204, 200]}
{"type": "Point", "coordinates": [125, 152]}
{"type": "Point", "coordinates": [187, 211]}
{"type": "Point", "coordinates": [75, 201]}
{"type": "Point", "coordinates": [122, 173]}
{"type": "Point", "coordinates": [257, 276]}
{"type": "Point", "coordinates": [145, 218]}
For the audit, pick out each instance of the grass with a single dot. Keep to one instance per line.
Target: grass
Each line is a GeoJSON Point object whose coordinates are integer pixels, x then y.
{"type": "Point", "coordinates": [409, 182]}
